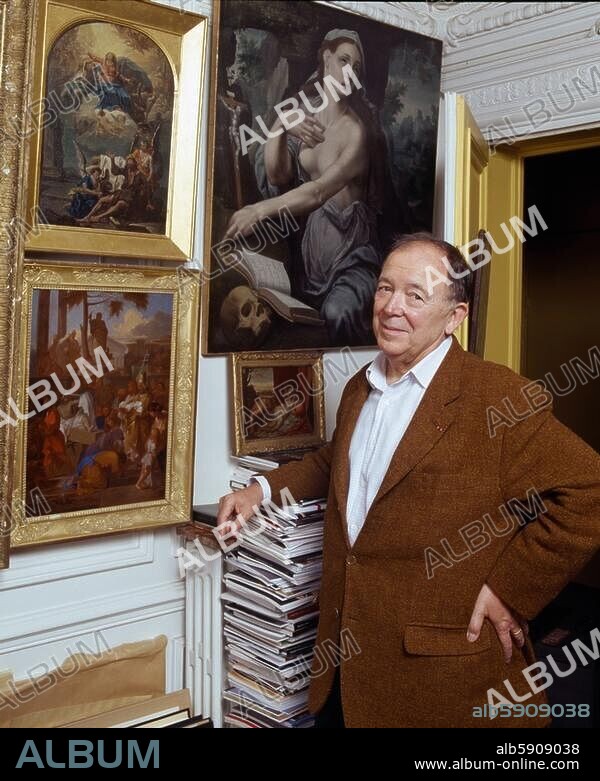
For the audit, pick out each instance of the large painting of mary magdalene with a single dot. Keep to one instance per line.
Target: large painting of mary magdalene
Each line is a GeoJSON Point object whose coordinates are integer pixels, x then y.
{"type": "Point", "coordinates": [323, 149]}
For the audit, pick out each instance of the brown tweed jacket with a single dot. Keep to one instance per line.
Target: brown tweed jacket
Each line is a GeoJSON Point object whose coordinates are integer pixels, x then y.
{"type": "Point", "coordinates": [445, 521]}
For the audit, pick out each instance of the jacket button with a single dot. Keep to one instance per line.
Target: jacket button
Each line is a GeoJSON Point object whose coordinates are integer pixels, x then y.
{"type": "Point", "coordinates": [351, 559]}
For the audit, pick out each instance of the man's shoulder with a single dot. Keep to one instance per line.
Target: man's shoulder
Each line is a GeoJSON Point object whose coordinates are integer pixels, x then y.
{"type": "Point", "coordinates": [489, 379]}
{"type": "Point", "coordinates": [358, 379]}
{"type": "Point", "coordinates": [484, 378]}
{"type": "Point", "coordinates": [353, 386]}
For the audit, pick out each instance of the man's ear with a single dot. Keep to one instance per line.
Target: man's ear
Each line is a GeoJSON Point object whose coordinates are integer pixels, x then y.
{"type": "Point", "coordinates": [455, 318]}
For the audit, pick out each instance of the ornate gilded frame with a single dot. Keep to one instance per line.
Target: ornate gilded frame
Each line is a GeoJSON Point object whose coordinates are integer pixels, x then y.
{"type": "Point", "coordinates": [240, 361]}
{"type": "Point", "coordinates": [176, 506]}
{"type": "Point", "coordinates": [16, 24]}
{"type": "Point", "coordinates": [183, 37]}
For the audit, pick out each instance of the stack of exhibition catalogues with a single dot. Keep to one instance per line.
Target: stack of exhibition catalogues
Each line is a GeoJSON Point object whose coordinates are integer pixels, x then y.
{"type": "Point", "coordinates": [270, 615]}
{"type": "Point", "coordinates": [248, 466]}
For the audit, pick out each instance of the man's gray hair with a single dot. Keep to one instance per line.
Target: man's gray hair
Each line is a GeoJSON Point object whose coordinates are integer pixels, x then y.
{"type": "Point", "coordinates": [460, 290]}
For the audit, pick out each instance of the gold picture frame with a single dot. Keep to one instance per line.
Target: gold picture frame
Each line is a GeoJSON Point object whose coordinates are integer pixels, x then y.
{"type": "Point", "coordinates": [16, 24]}
{"type": "Point", "coordinates": [78, 458]}
{"type": "Point", "coordinates": [102, 108]}
{"type": "Point", "coordinates": [278, 402]}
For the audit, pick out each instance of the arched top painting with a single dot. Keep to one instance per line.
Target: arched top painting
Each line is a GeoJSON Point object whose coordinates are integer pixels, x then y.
{"type": "Point", "coordinates": [107, 160]}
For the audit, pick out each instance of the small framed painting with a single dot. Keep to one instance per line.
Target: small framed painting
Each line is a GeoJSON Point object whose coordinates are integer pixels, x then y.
{"type": "Point", "coordinates": [322, 148]}
{"type": "Point", "coordinates": [278, 401]}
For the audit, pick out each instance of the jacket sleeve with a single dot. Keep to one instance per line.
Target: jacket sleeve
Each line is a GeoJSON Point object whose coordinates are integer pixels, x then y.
{"type": "Point", "coordinates": [305, 479]}
{"type": "Point", "coordinates": [541, 455]}
{"type": "Point", "coordinates": [310, 477]}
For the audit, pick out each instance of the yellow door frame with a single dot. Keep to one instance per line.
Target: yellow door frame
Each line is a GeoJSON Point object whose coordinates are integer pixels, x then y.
{"type": "Point", "coordinates": [505, 193]}
{"type": "Point", "coordinates": [470, 186]}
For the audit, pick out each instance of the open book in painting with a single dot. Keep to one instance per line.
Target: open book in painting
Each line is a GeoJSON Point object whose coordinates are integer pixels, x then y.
{"type": "Point", "coordinates": [270, 280]}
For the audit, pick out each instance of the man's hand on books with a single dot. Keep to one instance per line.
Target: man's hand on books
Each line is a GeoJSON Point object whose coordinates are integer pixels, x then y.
{"type": "Point", "coordinates": [238, 506]}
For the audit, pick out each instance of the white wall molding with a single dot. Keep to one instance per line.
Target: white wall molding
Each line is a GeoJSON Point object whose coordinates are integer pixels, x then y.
{"type": "Point", "coordinates": [416, 17]}
{"type": "Point", "coordinates": [95, 613]}
{"type": "Point", "coordinates": [75, 559]}
{"type": "Point", "coordinates": [125, 587]}
{"type": "Point", "coordinates": [482, 18]}
{"type": "Point", "coordinates": [453, 22]}
{"type": "Point", "coordinates": [46, 651]}
{"type": "Point", "coordinates": [176, 662]}
{"type": "Point", "coordinates": [203, 7]}
{"type": "Point", "coordinates": [519, 75]}
{"type": "Point", "coordinates": [204, 669]}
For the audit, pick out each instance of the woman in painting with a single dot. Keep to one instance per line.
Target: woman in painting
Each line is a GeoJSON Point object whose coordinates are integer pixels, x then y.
{"type": "Point", "coordinates": [110, 87]}
{"type": "Point", "coordinates": [329, 167]}
{"type": "Point", "coordinates": [121, 84]}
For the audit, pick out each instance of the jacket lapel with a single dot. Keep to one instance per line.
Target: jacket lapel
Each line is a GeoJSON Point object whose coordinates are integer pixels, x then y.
{"type": "Point", "coordinates": [347, 423]}
{"type": "Point", "coordinates": [431, 419]}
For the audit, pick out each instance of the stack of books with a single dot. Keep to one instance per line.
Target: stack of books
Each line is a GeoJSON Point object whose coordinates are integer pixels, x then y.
{"type": "Point", "coordinates": [168, 710]}
{"type": "Point", "coordinates": [270, 616]}
{"type": "Point", "coordinates": [248, 466]}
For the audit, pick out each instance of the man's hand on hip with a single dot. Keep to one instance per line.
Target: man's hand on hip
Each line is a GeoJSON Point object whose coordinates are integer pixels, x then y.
{"type": "Point", "coordinates": [237, 507]}
{"type": "Point", "coordinates": [509, 626]}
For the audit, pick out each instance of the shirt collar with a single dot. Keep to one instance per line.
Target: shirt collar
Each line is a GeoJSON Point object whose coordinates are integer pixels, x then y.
{"type": "Point", "coordinates": [423, 371]}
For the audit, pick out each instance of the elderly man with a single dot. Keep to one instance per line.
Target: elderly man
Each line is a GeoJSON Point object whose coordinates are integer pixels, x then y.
{"type": "Point", "coordinates": [428, 562]}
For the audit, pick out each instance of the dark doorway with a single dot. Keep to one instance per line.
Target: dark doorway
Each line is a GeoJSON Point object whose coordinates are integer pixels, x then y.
{"type": "Point", "coordinates": [561, 337]}
{"type": "Point", "coordinates": [561, 283]}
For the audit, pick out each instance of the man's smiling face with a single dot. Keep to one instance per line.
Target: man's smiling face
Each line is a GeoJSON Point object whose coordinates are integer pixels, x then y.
{"type": "Point", "coordinates": [410, 316]}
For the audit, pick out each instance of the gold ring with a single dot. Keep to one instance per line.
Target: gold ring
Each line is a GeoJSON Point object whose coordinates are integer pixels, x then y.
{"type": "Point", "coordinates": [517, 631]}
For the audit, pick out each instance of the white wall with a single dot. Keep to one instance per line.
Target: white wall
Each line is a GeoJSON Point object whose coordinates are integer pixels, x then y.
{"type": "Point", "coordinates": [125, 587]}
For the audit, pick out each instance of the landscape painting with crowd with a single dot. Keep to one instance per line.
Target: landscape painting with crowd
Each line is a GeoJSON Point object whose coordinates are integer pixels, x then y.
{"type": "Point", "coordinates": [103, 442]}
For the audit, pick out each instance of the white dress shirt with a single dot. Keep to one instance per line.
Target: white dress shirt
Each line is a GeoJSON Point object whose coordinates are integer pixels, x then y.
{"type": "Point", "coordinates": [381, 424]}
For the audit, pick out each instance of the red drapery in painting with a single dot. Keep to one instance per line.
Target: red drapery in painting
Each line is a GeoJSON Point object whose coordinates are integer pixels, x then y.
{"type": "Point", "coordinates": [304, 377]}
